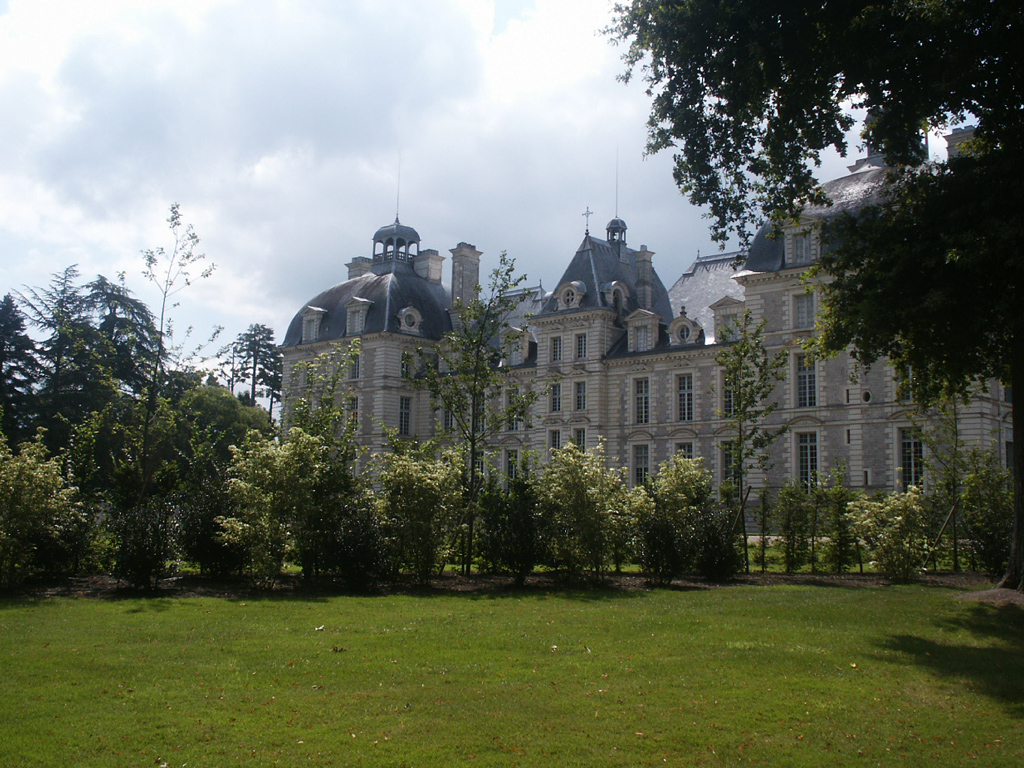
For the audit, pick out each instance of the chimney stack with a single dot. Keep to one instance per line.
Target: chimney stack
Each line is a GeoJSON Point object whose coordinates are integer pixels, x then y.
{"type": "Point", "coordinates": [465, 273]}
{"type": "Point", "coordinates": [645, 277]}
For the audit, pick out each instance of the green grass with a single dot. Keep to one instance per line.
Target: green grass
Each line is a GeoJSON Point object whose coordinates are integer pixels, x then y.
{"type": "Point", "coordinates": [783, 676]}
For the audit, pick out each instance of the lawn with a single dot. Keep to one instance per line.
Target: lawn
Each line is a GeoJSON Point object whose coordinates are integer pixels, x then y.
{"type": "Point", "coordinates": [782, 675]}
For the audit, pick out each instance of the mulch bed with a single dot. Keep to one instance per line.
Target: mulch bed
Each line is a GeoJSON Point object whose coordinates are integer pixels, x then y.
{"type": "Point", "coordinates": [108, 588]}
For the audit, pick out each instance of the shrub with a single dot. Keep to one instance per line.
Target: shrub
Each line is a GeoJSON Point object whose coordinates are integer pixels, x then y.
{"type": "Point", "coordinates": [894, 528]}
{"type": "Point", "coordinates": [792, 513]}
{"type": "Point", "coordinates": [987, 511]}
{"type": "Point", "coordinates": [510, 536]}
{"type": "Point", "coordinates": [38, 511]}
{"type": "Point", "coordinates": [716, 552]}
{"type": "Point", "coordinates": [142, 540]}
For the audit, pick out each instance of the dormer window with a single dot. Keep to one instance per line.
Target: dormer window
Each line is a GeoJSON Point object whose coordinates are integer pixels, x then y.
{"type": "Point", "coordinates": [513, 343]}
{"type": "Point", "coordinates": [411, 320]}
{"type": "Point", "coordinates": [312, 318]}
{"type": "Point", "coordinates": [570, 294]}
{"type": "Point", "coordinates": [643, 330]}
{"type": "Point", "coordinates": [683, 330]}
{"type": "Point", "coordinates": [355, 315]}
{"type": "Point", "coordinates": [801, 249]}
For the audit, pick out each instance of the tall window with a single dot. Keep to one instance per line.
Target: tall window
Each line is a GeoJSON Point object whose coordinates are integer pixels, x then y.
{"type": "Point", "coordinates": [353, 367]}
{"type": "Point", "coordinates": [686, 449]}
{"type": "Point", "coordinates": [728, 401]}
{"type": "Point", "coordinates": [801, 249]}
{"type": "Point", "coordinates": [516, 353]}
{"type": "Point", "coordinates": [806, 384]}
{"type": "Point", "coordinates": [556, 349]}
{"type": "Point", "coordinates": [684, 387]}
{"type": "Point", "coordinates": [911, 458]}
{"type": "Point", "coordinates": [642, 400]}
{"type": "Point", "coordinates": [905, 384]}
{"type": "Point", "coordinates": [730, 464]}
{"type": "Point", "coordinates": [643, 338]}
{"type": "Point", "coordinates": [404, 415]}
{"type": "Point", "coordinates": [556, 398]}
{"type": "Point", "coordinates": [353, 408]}
{"type": "Point", "coordinates": [803, 310]}
{"type": "Point", "coordinates": [511, 463]}
{"type": "Point", "coordinates": [406, 365]}
{"type": "Point", "coordinates": [447, 421]}
{"type": "Point", "coordinates": [641, 463]}
{"type": "Point", "coordinates": [514, 422]}
{"type": "Point", "coordinates": [807, 458]}
{"type": "Point", "coordinates": [581, 395]}
{"type": "Point", "coordinates": [581, 346]}
{"type": "Point", "coordinates": [579, 436]}
{"type": "Point", "coordinates": [555, 438]}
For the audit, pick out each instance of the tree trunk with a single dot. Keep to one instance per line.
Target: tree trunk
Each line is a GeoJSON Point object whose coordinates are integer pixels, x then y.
{"type": "Point", "coordinates": [1014, 578]}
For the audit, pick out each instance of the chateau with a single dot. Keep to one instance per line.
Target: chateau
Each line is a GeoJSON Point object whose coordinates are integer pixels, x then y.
{"type": "Point", "coordinates": [613, 354]}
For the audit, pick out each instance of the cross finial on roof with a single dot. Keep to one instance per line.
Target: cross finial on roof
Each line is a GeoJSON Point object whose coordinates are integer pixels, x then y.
{"type": "Point", "coordinates": [588, 213]}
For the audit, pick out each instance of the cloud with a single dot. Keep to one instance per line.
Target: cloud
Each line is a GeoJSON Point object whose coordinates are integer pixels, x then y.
{"type": "Point", "coordinates": [279, 127]}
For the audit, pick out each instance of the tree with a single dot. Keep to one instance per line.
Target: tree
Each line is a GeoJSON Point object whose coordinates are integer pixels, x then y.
{"type": "Point", "coordinates": [749, 94]}
{"type": "Point", "coordinates": [577, 495]}
{"type": "Point", "coordinates": [18, 371]}
{"type": "Point", "coordinates": [462, 376]}
{"type": "Point", "coordinates": [749, 376]}
{"type": "Point", "coordinates": [260, 362]}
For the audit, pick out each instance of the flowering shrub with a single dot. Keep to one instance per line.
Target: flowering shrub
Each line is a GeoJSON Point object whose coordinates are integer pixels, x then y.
{"type": "Point", "coordinates": [894, 530]}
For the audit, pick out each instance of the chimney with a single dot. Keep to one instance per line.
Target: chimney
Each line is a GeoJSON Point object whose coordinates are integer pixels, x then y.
{"type": "Point", "coordinates": [359, 266]}
{"type": "Point", "coordinates": [645, 277]}
{"type": "Point", "coordinates": [427, 264]}
{"type": "Point", "coordinates": [465, 272]}
{"type": "Point", "coordinates": [956, 138]}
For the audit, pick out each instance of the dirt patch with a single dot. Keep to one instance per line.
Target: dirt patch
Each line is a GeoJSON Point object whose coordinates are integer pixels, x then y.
{"type": "Point", "coordinates": [998, 596]}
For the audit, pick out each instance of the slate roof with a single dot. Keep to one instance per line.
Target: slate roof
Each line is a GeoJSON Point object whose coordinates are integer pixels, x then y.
{"type": "Point", "coordinates": [847, 193]}
{"type": "Point", "coordinates": [391, 287]}
{"type": "Point", "coordinates": [598, 263]}
{"type": "Point", "coordinates": [708, 279]}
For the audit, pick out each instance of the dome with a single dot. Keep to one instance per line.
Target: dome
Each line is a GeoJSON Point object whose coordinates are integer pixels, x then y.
{"type": "Point", "coordinates": [616, 225]}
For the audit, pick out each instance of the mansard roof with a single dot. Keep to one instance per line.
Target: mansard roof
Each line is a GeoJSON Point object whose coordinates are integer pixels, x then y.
{"type": "Point", "coordinates": [847, 193]}
{"type": "Point", "coordinates": [707, 280]}
{"type": "Point", "coordinates": [388, 293]}
{"type": "Point", "coordinates": [597, 264]}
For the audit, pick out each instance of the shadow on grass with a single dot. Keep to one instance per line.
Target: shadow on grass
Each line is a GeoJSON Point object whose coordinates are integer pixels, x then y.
{"type": "Point", "coordinates": [994, 669]}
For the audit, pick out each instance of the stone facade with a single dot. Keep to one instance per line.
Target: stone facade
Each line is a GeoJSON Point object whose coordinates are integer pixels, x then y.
{"type": "Point", "coordinates": [614, 356]}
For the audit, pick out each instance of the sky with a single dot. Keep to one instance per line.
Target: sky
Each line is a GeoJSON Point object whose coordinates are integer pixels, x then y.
{"type": "Point", "coordinates": [288, 131]}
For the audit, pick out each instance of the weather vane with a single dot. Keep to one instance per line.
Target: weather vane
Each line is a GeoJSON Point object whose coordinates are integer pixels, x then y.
{"type": "Point", "coordinates": [588, 213]}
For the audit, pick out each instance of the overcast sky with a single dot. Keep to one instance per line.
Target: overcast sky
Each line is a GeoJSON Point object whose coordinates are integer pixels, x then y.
{"type": "Point", "coordinates": [280, 126]}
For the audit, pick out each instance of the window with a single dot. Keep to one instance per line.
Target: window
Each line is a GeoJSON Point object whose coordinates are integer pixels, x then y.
{"type": "Point", "coordinates": [911, 458]}
{"type": "Point", "coordinates": [404, 415]}
{"type": "Point", "coordinates": [556, 349]}
{"type": "Point", "coordinates": [803, 310]}
{"type": "Point", "coordinates": [511, 463]}
{"type": "Point", "coordinates": [905, 385]}
{"type": "Point", "coordinates": [642, 395]}
{"type": "Point", "coordinates": [555, 438]}
{"type": "Point", "coordinates": [581, 395]}
{"type": "Point", "coordinates": [310, 327]}
{"type": "Point", "coordinates": [641, 463]}
{"type": "Point", "coordinates": [579, 436]}
{"type": "Point", "coordinates": [514, 422]}
{"type": "Point", "coordinates": [581, 346]}
{"type": "Point", "coordinates": [807, 458]}
{"type": "Point", "coordinates": [728, 401]}
{"type": "Point", "coordinates": [353, 366]}
{"type": "Point", "coordinates": [686, 449]}
{"type": "Point", "coordinates": [1009, 454]}
{"type": "Point", "coordinates": [353, 408]}
{"type": "Point", "coordinates": [806, 385]}
{"type": "Point", "coordinates": [643, 338]}
{"type": "Point", "coordinates": [447, 420]}
{"type": "Point", "coordinates": [730, 466]}
{"type": "Point", "coordinates": [1007, 394]}
{"type": "Point", "coordinates": [556, 398]}
{"type": "Point", "coordinates": [516, 354]}
{"type": "Point", "coordinates": [727, 324]}
{"type": "Point", "coordinates": [684, 387]}
{"type": "Point", "coordinates": [801, 249]}
{"type": "Point", "coordinates": [406, 365]}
